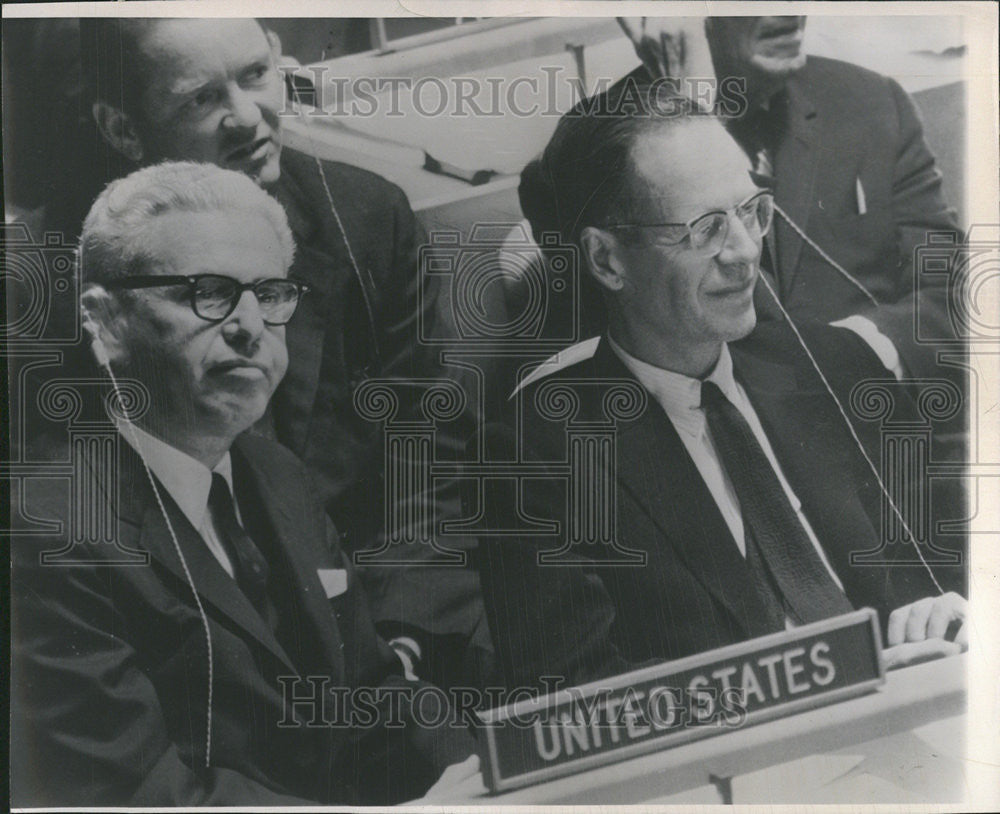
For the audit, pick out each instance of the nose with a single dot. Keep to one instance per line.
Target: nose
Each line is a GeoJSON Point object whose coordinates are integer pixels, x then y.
{"type": "Point", "coordinates": [740, 246]}
{"type": "Point", "coordinates": [243, 109]}
{"type": "Point", "coordinates": [246, 324]}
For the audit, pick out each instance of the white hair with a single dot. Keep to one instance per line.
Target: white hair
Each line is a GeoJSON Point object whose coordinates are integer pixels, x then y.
{"type": "Point", "coordinates": [112, 245]}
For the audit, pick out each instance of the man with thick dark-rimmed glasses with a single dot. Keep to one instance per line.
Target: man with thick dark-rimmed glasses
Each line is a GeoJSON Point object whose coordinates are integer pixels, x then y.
{"type": "Point", "coordinates": [210, 90]}
{"type": "Point", "coordinates": [214, 297]}
{"type": "Point", "coordinates": [173, 677]}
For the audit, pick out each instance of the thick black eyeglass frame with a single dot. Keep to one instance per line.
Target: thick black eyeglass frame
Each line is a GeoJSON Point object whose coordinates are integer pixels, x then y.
{"type": "Point", "coordinates": [764, 193]}
{"type": "Point", "coordinates": [191, 281]}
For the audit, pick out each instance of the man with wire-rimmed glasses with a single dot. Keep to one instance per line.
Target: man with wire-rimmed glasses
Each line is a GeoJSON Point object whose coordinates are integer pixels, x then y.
{"type": "Point", "coordinates": [739, 491]}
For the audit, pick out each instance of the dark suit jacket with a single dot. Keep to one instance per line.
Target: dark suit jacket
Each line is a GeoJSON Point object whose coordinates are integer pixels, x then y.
{"type": "Point", "coordinates": [693, 593]}
{"type": "Point", "coordinates": [336, 341]}
{"type": "Point", "coordinates": [837, 124]}
{"type": "Point", "coordinates": [351, 327]}
{"type": "Point", "coordinates": [110, 669]}
{"type": "Point", "coordinates": [845, 124]}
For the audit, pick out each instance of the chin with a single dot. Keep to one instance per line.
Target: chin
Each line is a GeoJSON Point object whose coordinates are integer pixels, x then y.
{"type": "Point", "coordinates": [271, 171]}
{"type": "Point", "coordinates": [743, 325]}
{"type": "Point", "coordinates": [238, 416]}
{"type": "Point", "coordinates": [779, 67]}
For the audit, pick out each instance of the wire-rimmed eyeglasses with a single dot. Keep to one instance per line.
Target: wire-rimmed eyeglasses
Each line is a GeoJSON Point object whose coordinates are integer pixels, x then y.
{"type": "Point", "coordinates": [708, 232]}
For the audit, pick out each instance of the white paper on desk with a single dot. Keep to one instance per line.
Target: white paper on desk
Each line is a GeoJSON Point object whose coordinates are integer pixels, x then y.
{"type": "Point", "coordinates": [806, 780]}
{"type": "Point", "coordinates": [919, 766]}
{"type": "Point", "coordinates": [924, 765]}
{"type": "Point", "coordinates": [503, 143]}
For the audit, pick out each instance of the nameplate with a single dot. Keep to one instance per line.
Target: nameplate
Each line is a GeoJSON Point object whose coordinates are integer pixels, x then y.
{"type": "Point", "coordinates": [715, 692]}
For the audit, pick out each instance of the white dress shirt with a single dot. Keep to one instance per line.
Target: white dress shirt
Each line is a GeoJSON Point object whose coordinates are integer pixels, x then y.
{"type": "Point", "coordinates": [680, 398]}
{"type": "Point", "coordinates": [188, 482]}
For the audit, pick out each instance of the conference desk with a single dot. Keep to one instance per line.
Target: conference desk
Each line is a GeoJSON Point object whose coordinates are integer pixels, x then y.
{"type": "Point", "coordinates": [902, 743]}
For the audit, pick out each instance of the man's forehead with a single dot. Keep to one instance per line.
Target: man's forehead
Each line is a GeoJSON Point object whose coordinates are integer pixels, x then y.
{"type": "Point", "coordinates": [242, 243]}
{"type": "Point", "coordinates": [691, 167]}
{"type": "Point", "coordinates": [196, 48]}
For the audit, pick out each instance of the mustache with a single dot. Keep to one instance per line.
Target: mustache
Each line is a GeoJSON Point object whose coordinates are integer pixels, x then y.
{"type": "Point", "coordinates": [778, 26]}
{"type": "Point", "coordinates": [243, 148]}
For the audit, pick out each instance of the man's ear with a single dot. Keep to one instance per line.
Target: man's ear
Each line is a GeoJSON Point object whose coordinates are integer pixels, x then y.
{"type": "Point", "coordinates": [118, 130]}
{"type": "Point", "coordinates": [600, 249]}
{"type": "Point", "coordinates": [274, 41]}
{"type": "Point", "coordinates": [286, 61]}
{"type": "Point", "coordinates": [103, 320]}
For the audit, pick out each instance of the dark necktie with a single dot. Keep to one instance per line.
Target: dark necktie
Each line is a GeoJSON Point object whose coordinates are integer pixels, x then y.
{"type": "Point", "coordinates": [249, 565]}
{"type": "Point", "coordinates": [759, 132]}
{"type": "Point", "coordinates": [805, 586]}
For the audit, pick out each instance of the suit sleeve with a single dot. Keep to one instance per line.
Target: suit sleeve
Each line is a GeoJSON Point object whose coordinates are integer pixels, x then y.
{"type": "Point", "coordinates": [549, 620]}
{"type": "Point", "coordinates": [415, 751]}
{"type": "Point", "coordinates": [87, 726]}
{"type": "Point", "coordinates": [918, 208]}
{"type": "Point", "coordinates": [409, 300]}
{"type": "Point", "coordinates": [436, 604]}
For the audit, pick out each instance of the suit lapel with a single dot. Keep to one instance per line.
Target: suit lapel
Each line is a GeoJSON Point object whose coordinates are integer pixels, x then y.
{"type": "Point", "coordinates": [289, 513]}
{"type": "Point", "coordinates": [799, 420]}
{"type": "Point", "coordinates": [818, 458]}
{"type": "Point", "coordinates": [656, 469]}
{"type": "Point", "coordinates": [217, 590]}
{"type": "Point", "coordinates": [796, 160]}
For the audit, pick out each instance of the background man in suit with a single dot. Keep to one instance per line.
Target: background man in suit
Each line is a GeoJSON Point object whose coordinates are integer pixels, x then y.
{"type": "Point", "coordinates": [845, 150]}
{"type": "Point", "coordinates": [737, 483]}
{"type": "Point", "coordinates": [173, 681]}
{"type": "Point", "coordinates": [209, 90]}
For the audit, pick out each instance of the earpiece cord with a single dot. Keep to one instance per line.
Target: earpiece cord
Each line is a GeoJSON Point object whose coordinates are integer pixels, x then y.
{"type": "Point", "coordinates": [819, 250]}
{"type": "Point", "coordinates": [850, 427]}
{"type": "Point", "coordinates": [369, 309]}
{"type": "Point", "coordinates": [822, 253]}
{"type": "Point", "coordinates": [180, 555]}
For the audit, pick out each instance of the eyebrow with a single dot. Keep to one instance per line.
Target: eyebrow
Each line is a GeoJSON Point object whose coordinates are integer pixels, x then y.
{"type": "Point", "coordinates": [705, 209]}
{"type": "Point", "coordinates": [189, 87]}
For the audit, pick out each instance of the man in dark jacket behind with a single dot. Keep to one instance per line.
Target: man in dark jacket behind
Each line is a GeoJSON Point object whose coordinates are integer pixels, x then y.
{"type": "Point", "coordinates": [209, 90]}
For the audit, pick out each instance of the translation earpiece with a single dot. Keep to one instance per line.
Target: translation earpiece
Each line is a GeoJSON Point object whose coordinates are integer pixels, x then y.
{"type": "Point", "coordinates": [96, 343]}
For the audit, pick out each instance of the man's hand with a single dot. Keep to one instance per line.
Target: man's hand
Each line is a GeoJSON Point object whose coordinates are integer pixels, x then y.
{"type": "Point", "coordinates": [676, 48]}
{"type": "Point", "coordinates": [660, 48]}
{"type": "Point", "coordinates": [460, 781]}
{"type": "Point", "coordinates": [926, 629]}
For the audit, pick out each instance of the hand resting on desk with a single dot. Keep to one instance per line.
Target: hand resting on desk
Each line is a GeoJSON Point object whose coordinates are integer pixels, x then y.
{"type": "Point", "coordinates": [460, 781]}
{"type": "Point", "coordinates": [926, 629]}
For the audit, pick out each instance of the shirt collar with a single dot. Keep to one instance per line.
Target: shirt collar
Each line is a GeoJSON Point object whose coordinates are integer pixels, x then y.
{"type": "Point", "coordinates": [680, 395]}
{"type": "Point", "coordinates": [186, 480]}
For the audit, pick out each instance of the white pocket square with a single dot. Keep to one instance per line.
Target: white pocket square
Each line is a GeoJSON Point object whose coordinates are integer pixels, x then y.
{"type": "Point", "coordinates": [334, 581]}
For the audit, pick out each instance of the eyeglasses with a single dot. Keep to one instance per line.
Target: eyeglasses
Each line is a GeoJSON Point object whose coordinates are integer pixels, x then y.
{"type": "Point", "coordinates": [214, 296]}
{"type": "Point", "coordinates": [708, 232]}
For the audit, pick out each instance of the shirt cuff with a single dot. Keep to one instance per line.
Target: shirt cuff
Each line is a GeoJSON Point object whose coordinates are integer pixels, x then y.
{"type": "Point", "coordinates": [881, 344]}
{"type": "Point", "coordinates": [409, 654]}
